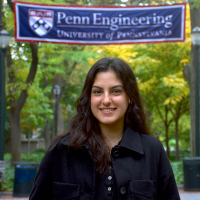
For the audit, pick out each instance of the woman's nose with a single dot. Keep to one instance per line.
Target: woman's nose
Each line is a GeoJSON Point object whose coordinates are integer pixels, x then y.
{"type": "Point", "coordinates": [106, 100]}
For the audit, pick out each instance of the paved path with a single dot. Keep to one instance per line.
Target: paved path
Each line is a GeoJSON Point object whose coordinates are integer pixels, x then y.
{"type": "Point", "coordinates": [185, 195]}
{"type": "Point", "coordinates": [13, 198]}
{"type": "Point", "coordinates": [189, 195]}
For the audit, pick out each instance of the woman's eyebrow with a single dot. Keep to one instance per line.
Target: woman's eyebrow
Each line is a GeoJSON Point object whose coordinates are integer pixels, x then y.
{"type": "Point", "coordinates": [117, 86]}
{"type": "Point", "coordinates": [110, 88]}
{"type": "Point", "coordinates": [96, 87]}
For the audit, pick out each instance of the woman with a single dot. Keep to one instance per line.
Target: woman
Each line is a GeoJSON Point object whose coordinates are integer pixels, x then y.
{"type": "Point", "coordinates": [108, 151]}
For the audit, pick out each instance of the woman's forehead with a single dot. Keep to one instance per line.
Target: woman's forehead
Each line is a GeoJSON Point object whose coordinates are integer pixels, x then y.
{"type": "Point", "coordinates": [108, 76]}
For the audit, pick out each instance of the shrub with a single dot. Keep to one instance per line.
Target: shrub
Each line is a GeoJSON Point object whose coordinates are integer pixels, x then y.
{"type": "Point", "coordinates": [7, 184]}
{"type": "Point", "coordinates": [37, 156]}
{"type": "Point", "coordinates": [177, 167]}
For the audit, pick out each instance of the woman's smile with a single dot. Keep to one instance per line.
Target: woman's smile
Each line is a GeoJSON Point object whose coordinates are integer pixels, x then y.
{"type": "Point", "coordinates": [107, 110]}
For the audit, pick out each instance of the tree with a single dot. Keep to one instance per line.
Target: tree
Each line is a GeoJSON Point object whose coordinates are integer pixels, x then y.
{"type": "Point", "coordinates": [159, 71]}
{"type": "Point", "coordinates": [22, 62]}
{"type": "Point", "coordinates": [190, 73]}
{"type": "Point", "coordinates": [16, 103]}
{"type": "Point", "coordinates": [19, 54]}
{"type": "Point", "coordinates": [181, 108]}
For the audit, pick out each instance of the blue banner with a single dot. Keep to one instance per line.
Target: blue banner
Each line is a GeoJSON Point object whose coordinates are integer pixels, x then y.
{"type": "Point", "coordinates": [99, 25]}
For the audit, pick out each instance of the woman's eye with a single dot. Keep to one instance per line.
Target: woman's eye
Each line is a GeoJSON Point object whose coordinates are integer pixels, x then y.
{"type": "Point", "coordinates": [96, 92]}
{"type": "Point", "coordinates": [116, 91]}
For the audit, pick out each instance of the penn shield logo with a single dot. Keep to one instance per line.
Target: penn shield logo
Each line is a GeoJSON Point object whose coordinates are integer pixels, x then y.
{"type": "Point", "coordinates": [41, 21]}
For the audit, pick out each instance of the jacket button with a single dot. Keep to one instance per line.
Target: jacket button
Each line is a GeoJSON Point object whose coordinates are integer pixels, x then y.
{"type": "Point", "coordinates": [116, 153]}
{"type": "Point", "coordinates": [123, 190]}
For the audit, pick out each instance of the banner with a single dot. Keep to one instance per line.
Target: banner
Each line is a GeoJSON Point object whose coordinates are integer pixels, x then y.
{"type": "Point", "coordinates": [99, 25]}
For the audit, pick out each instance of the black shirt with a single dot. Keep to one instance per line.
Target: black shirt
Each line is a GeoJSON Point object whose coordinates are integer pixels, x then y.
{"type": "Point", "coordinates": [106, 186]}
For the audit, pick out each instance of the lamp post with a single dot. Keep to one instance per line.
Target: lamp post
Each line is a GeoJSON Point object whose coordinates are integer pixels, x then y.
{"type": "Point", "coordinates": [56, 91]}
{"type": "Point", "coordinates": [195, 35]}
{"type": "Point", "coordinates": [4, 41]}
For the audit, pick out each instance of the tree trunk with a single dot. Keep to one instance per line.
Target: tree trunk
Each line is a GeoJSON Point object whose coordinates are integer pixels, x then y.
{"type": "Point", "coordinates": [195, 16]}
{"type": "Point", "coordinates": [47, 135]}
{"type": "Point", "coordinates": [15, 134]}
{"type": "Point", "coordinates": [177, 146]}
{"type": "Point", "coordinates": [167, 140]}
{"type": "Point", "coordinates": [17, 104]}
{"type": "Point", "coordinates": [167, 123]}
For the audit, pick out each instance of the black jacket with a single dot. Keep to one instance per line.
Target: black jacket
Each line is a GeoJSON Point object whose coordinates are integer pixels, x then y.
{"type": "Point", "coordinates": [141, 167]}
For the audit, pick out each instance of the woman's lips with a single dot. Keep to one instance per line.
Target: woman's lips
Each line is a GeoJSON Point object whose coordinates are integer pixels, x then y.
{"type": "Point", "coordinates": [107, 110]}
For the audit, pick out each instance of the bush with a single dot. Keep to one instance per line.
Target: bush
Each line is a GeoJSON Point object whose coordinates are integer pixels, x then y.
{"type": "Point", "coordinates": [7, 184]}
{"type": "Point", "coordinates": [182, 154]}
{"type": "Point", "coordinates": [37, 156]}
{"type": "Point", "coordinates": [177, 167]}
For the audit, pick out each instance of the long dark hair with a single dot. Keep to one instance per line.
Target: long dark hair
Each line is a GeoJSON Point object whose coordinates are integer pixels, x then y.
{"type": "Point", "coordinates": [84, 127]}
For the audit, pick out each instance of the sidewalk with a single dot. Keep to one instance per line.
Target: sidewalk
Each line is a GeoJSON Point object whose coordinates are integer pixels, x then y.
{"type": "Point", "coordinates": [189, 195]}
{"type": "Point", "coordinates": [13, 198]}
{"type": "Point", "coordinates": [8, 196]}
{"type": "Point", "coordinates": [185, 195]}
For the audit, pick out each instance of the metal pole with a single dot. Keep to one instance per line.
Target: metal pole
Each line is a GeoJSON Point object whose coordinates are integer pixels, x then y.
{"type": "Point", "coordinates": [2, 102]}
{"type": "Point", "coordinates": [56, 115]}
{"type": "Point", "coordinates": [197, 101]}
{"type": "Point", "coordinates": [2, 93]}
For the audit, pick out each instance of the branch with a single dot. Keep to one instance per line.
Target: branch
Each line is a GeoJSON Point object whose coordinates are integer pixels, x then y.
{"type": "Point", "coordinates": [31, 75]}
{"type": "Point", "coordinates": [136, 3]}
{"type": "Point", "coordinates": [32, 71]}
{"type": "Point", "coordinates": [72, 67]}
{"type": "Point", "coordinates": [10, 3]}
{"type": "Point", "coordinates": [172, 112]}
{"type": "Point", "coordinates": [167, 122]}
{"type": "Point", "coordinates": [185, 101]}
{"type": "Point", "coordinates": [159, 112]}
{"type": "Point", "coordinates": [34, 63]}
{"type": "Point", "coordinates": [65, 82]}
{"type": "Point", "coordinates": [186, 72]}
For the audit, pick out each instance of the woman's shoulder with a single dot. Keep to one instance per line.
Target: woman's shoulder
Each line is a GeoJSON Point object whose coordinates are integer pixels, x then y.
{"type": "Point", "coordinates": [59, 142]}
{"type": "Point", "coordinates": [151, 141]}
{"type": "Point", "coordinates": [64, 141]}
{"type": "Point", "coordinates": [134, 138]}
{"type": "Point", "coordinates": [147, 137]}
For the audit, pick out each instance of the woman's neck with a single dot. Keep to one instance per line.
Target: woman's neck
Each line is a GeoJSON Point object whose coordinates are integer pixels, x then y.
{"type": "Point", "coordinates": [112, 134]}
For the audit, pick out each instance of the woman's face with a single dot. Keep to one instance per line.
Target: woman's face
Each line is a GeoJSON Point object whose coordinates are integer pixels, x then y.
{"type": "Point", "coordinates": [109, 100]}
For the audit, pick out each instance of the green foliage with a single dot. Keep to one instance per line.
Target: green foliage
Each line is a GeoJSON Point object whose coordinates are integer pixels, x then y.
{"type": "Point", "coordinates": [8, 182]}
{"type": "Point", "coordinates": [177, 167]}
{"type": "Point", "coordinates": [54, 60]}
{"type": "Point", "coordinates": [165, 92]}
{"type": "Point", "coordinates": [36, 156]}
{"type": "Point", "coordinates": [158, 68]}
{"type": "Point", "coordinates": [195, 3]}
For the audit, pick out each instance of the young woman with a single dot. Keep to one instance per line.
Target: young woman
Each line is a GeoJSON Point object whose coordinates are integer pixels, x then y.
{"type": "Point", "coordinates": [108, 151]}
